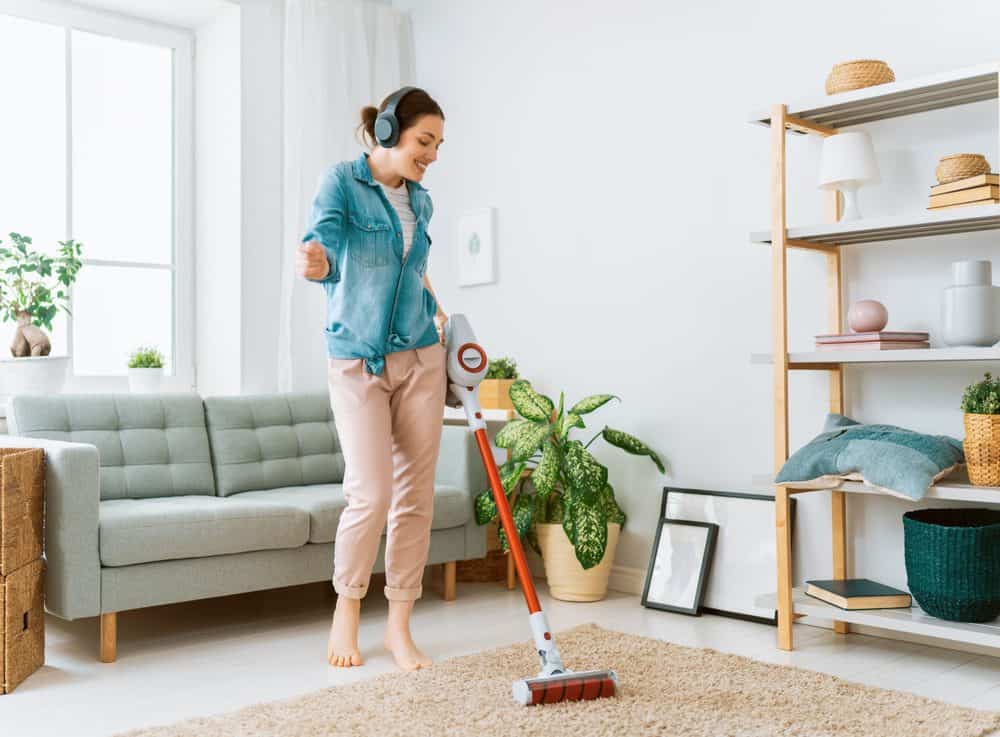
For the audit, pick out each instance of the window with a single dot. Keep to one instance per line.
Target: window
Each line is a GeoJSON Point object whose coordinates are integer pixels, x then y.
{"type": "Point", "coordinates": [95, 144]}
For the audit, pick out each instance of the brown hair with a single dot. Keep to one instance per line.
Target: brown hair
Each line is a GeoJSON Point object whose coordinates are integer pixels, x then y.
{"type": "Point", "coordinates": [414, 105]}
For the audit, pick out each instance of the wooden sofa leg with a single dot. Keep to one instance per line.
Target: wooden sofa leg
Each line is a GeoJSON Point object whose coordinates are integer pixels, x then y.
{"type": "Point", "coordinates": [450, 569]}
{"type": "Point", "coordinates": [109, 637]}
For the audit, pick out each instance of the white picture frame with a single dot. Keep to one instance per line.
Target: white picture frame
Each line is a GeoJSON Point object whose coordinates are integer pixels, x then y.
{"type": "Point", "coordinates": [475, 239]}
{"type": "Point", "coordinates": [745, 557]}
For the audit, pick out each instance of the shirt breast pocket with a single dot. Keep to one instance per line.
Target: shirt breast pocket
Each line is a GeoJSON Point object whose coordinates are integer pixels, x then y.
{"type": "Point", "coordinates": [370, 243]}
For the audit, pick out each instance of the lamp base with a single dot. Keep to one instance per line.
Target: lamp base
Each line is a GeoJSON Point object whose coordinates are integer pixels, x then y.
{"type": "Point", "coordinates": [851, 210]}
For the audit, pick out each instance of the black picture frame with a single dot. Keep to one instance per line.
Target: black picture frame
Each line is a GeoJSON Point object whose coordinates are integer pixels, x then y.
{"type": "Point", "coordinates": [744, 616]}
{"type": "Point", "coordinates": [706, 562]}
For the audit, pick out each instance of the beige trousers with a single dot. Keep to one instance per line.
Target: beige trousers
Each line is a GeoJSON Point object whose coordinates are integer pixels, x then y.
{"type": "Point", "coordinates": [389, 428]}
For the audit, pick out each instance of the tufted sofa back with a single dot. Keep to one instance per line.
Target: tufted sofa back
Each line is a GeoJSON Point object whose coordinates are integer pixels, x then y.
{"type": "Point", "coordinates": [273, 440]}
{"type": "Point", "coordinates": [149, 445]}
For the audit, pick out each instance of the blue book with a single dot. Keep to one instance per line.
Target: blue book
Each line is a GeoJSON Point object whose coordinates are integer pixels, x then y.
{"type": "Point", "coordinates": [858, 593]}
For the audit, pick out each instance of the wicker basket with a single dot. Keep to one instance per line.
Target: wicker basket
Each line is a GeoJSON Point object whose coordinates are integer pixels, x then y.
{"type": "Point", "coordinates": [982, 449]}
{"type": "Point", "coordinates": [961, 166]}
{"type": "Point", "coordinates": [22, 617]}
{"type": "Point", "coordinates": [484, 570]}
{"type": "Point", "coordinates": [853, 75]}
{"type": "Point", "coordinates": [953, 562]}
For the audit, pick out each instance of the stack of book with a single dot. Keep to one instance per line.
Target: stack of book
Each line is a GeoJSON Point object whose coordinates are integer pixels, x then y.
{"type": "Point", "coordinates": [876, 341]}
{"type": "Point", "coordinates": [983, 189]}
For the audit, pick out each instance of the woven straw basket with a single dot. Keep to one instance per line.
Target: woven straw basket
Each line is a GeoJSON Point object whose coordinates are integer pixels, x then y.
{"type": "Point", "coordinates": [982, 449]}
{"type": "Point", "coordinates": [961, 166]}
{"type": "Point", "coordinates": [853, 75]}
{"type": "Point", "coordinates": [484, 570]}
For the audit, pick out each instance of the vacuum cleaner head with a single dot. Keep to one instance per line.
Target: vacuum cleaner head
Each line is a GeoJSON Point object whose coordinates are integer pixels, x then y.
{"type": "Point", "coordinates": [583, 686]}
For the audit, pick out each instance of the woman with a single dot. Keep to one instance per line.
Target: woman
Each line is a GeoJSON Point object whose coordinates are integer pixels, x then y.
{"type": "Point", "coordinates": [368, 246]}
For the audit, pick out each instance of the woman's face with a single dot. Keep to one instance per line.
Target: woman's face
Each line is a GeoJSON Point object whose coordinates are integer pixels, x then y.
{"type": "Point", "coordinates": [418, 146]}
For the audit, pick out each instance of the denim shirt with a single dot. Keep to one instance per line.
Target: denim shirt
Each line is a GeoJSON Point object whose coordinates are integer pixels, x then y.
{"type": "Point", "coordinates": [376, 301]}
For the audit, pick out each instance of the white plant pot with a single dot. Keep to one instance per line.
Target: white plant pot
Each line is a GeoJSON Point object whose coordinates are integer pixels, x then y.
{"type": "Point", "coordinates": [33, 375]}
{"type": "Point", "coordinates": [144, 380]}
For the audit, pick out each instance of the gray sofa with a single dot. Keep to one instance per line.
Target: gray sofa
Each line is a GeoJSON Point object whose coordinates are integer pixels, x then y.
{"type": "Point", "coordinates": [160, 498]}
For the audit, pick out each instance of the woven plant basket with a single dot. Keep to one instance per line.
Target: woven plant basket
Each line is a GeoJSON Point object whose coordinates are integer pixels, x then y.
{"type": "Point", "coordinates": [22, 489]}
{"type": "Point", "coordinates": [961, 166]}
{"type": "Point", "coordinates": [982, 449]}
{"type": "Point", "coordinates": [853, 75]}
{"type": "Point", "coordinates": [953, 562]}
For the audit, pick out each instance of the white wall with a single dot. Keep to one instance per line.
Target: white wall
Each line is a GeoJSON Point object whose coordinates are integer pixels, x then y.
{"type": "Point", "coordinates": [218, 212]}
{"type": "Point", "coordinates": [613, 140]}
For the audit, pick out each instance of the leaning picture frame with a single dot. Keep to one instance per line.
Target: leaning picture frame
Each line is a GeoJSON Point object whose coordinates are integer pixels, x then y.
{"type": "Point", "coordinates": [745, 558]}
{"type": "Point", "coordinates": [678, 566]}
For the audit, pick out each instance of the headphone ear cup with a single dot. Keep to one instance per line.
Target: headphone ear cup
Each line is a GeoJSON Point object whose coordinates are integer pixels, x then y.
{"type": "Point", "coordinates": [386, 130]}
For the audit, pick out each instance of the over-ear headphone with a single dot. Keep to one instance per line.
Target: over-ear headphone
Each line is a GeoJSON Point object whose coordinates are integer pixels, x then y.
{"type": "Point", "coordinates": [386, 124]}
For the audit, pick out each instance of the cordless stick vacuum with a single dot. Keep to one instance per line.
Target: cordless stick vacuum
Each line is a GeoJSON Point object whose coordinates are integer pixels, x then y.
{"type": "Point", "coordinates": [467, 365]}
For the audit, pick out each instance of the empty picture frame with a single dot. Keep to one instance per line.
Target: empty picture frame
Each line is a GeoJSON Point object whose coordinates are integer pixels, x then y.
{"type": "Point", "coordinates": [476, 252]}
{"type": "Point", "coordinates": [681, 556]}
{"type": "Point", "coordinates": [744, 564]}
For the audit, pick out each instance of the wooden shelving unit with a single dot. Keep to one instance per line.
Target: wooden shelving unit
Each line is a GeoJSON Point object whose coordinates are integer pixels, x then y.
{"type": "Point", "coordinates": [824, 117]}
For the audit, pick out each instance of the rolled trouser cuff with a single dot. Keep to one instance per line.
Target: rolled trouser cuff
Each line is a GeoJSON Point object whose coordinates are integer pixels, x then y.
{"type": "Point", "coordinates": [357, 591]}
{"type": "Point", "coordinates": [394, 594]}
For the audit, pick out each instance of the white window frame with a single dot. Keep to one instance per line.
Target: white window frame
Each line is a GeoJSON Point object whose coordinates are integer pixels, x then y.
{"type": "Point", "coordinates": [181, 42]}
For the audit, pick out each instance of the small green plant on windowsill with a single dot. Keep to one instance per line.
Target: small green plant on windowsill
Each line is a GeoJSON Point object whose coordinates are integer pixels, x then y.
{"type": "Point", "coordinates": [569, 486]}
{"type": "Point", "coordinates": [146, 357]}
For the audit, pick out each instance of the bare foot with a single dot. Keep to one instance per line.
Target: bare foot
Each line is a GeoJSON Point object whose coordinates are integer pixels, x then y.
{"type": "Point", "coordinates": [398, 639]}
{"type": "Point", "coordinates": [342, 647]}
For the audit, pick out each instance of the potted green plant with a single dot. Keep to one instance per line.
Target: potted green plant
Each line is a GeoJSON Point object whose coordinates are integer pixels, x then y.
{"type": "Point", "coordinates": [145, 370]}
{"type": "Point", "coordinates": [33, 288]}
{"type": "Point", "coordinates": [494, 390]}
{"type": "Point", "coordinates": [981, 405]}
{"type": "Point", "coordinates": [568, 513]}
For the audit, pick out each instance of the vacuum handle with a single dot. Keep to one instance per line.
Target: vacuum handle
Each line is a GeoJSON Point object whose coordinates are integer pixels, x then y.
{"type": "Point", "coordinates": [507, 520]}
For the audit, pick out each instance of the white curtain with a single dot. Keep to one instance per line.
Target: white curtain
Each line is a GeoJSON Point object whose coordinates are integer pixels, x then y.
{"type": "Point", "coordinates": [339, 55]}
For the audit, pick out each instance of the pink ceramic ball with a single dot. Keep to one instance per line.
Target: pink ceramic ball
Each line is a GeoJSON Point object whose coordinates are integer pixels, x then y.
{"type": "Point", "coordinates": [867, 316]}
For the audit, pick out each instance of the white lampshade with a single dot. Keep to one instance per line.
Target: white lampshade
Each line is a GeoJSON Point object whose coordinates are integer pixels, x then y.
{"type": "Point", "coordinates": [848, 159]}
{"type": "Point", "coordinates": [848, 162]}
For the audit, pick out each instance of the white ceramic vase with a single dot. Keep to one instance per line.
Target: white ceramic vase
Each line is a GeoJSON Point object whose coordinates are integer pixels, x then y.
{"type": "Point", "coordinates": [144, 380]}
{"type": "Point", "coordinates": [971, 307]}
{"type": "Point", "coordinates": [33, 374]}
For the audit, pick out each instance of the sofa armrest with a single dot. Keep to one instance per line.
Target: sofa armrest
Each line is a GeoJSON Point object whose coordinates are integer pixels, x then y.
{"type": "Point", "coordinates": [72, 498]}
{"type": "Point", "coordinates": [459, 463]}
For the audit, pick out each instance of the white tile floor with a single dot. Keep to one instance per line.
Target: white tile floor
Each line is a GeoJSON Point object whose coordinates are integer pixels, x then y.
{"type": "Point", "coordinates": [217, 655]}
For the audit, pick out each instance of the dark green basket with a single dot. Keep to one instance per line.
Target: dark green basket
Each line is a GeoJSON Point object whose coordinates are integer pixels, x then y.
{"type": "Point", "coordinates": [953, 562]}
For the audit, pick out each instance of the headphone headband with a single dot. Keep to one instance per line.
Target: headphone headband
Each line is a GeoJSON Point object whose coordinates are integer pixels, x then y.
{"type": "Point", "coordinates": [387, 124]}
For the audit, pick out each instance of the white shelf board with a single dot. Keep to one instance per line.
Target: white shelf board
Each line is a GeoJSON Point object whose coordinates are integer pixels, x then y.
{"type": "Point", "coordinates": [922, 224]}
{"type": "Point", "coordinates": [955, 488]}
{"type": "Point", "coordinates": [911, 355]}
{"type": "Point", "coordinates": [913, 620]}
{"type": "Point", "coordinates": [933, 92]}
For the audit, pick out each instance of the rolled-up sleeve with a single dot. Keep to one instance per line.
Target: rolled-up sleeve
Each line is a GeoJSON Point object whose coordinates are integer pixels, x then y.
{"type": "Point", "coordinates": [327, 220]}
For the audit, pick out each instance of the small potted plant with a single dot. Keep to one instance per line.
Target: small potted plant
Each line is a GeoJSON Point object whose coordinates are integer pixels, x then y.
{"type": "Point", "coordinates": [145, 370]}
{"type": "Point", "coordinates": [981, 405]}
{"type": "Point", "coordinates": [494, 390]}
{"type": "Point", "coordinates": [568, 513]}
{"type": "Point", "coordinates": [33, 288]}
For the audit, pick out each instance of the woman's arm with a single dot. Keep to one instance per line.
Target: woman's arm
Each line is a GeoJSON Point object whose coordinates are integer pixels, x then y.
{"type": "Point", "coordinates": [440, 318]}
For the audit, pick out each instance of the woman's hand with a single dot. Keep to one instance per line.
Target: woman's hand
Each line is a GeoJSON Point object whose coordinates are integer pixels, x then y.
{"type": "Point", "coordinates": [440, 320]}
{"type": "Point", "coordinates": [311, 261]}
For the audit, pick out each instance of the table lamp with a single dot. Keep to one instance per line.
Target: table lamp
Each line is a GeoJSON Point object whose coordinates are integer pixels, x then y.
{"type": "Point", "coordinates": [847, 163]}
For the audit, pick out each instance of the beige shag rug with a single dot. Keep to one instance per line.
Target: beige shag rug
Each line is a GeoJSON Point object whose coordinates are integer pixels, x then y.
{"type": "Point", "coordinates": [666, 690]}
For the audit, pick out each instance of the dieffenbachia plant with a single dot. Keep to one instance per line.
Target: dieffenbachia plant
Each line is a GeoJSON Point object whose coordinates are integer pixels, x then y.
{"type": "Point", "coordinates": [568, 486]}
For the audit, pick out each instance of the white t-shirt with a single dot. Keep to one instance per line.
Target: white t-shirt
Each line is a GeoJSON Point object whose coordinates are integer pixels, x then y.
{"type": "Point", "coordinates": [400, 200]}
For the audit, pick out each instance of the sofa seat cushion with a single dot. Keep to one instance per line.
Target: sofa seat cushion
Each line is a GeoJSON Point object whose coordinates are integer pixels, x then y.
{"type": "Point", "coordinates": [164, 528]}
{"type": "Point", "coordinates": [324, 503]}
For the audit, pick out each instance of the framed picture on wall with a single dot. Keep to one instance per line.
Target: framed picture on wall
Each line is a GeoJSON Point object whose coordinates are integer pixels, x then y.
{"type": "Point", "coordinates": [475, 238]}
{"type": "Point", "coordinates": [745, 561]}
{"type": "Point", "coordinates": [682, 554]}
